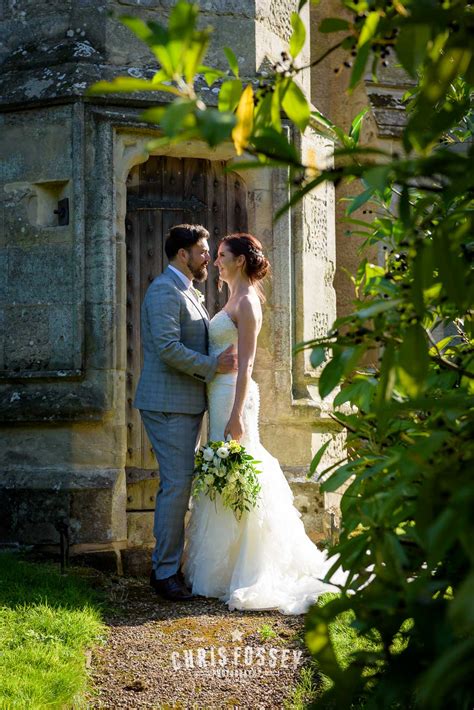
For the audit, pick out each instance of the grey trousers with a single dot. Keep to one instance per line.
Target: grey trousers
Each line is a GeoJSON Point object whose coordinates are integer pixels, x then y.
{"type": "Point", "coordinates": [174, 438]}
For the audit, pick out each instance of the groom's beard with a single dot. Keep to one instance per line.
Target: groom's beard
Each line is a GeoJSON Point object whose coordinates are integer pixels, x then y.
{"type": "Point", "coordinates": [199, 272]}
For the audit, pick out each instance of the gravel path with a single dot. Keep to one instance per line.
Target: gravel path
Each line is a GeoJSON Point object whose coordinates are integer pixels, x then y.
{"type": "Point", "coordinates": [196, 655]}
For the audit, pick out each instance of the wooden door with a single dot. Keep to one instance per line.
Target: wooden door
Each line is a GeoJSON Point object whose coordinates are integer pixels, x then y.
{"type": "Point", "coordinates": [161, 193]}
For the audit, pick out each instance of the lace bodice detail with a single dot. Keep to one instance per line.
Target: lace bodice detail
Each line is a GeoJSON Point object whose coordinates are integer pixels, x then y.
{"type": "Point", "coordinates": [221, 391]}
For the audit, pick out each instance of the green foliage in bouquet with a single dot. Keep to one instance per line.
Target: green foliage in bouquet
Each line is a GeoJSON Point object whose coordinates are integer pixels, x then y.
{"type": "Point", "coordinates": [407, 510]}
{"type": "Point", "coordinates": [225, 469]}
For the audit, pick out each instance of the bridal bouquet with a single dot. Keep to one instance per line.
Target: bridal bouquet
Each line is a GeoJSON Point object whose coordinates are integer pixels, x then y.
{"type": "Point", "coordinates": [225, 468]}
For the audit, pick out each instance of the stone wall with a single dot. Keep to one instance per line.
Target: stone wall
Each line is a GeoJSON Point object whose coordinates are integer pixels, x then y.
{"type": "Point", "coordinates": [381, 128]}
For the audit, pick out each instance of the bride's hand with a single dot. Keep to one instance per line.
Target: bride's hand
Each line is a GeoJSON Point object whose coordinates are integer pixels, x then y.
{"type": "Point", "coordinates": [235, 427]}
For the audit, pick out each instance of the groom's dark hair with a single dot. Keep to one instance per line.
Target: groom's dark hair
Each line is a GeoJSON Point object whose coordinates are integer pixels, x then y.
{"type": "Point", "coordinates": [183, 236]}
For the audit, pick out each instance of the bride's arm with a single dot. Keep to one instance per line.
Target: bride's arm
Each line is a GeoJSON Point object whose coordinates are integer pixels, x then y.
{"type": "Point", "coordinates": [247, 322]}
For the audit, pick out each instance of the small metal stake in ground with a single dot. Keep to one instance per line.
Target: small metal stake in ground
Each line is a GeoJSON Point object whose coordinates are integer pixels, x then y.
{"type": "Point", "coordinates": [63, 529]}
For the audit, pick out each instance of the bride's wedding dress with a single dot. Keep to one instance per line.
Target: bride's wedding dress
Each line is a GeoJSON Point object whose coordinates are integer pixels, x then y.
{"type": "Point", "coordinates": [265, 560]}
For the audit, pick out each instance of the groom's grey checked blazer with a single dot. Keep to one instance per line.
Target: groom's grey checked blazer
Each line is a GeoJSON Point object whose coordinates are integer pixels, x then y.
{"type": "Point", "coordinates": [176, 365]}
{"type": "Point", "coordinates": [171, 396]}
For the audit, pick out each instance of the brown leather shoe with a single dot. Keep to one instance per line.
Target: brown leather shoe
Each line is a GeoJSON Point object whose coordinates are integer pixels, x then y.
{"type": "Point", "coordinates": [171, 588]}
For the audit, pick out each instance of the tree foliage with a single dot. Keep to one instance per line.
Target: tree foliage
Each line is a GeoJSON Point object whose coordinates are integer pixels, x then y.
{"type": "Point", "coordinates": [407, 524]}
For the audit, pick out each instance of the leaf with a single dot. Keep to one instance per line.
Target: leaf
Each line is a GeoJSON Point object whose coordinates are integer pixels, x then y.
{"type": "Point", "coordinates": [317, 458]}
{"type": "Point", "coordinates": [377, 178]}
{"type": "Point", "coordinates": [338, 478]}
{"type": "Point", "coordinates": [453, 666]}
{"type": "Point", "coordinates": [360, 200]}
{"type": "Point", "coordinates": [275, 145]}
{"type": "Point", "coordinates": [229, 95]}
{"type": "Point", "coordinates": [175, 116]}
{"type": "Point", "coordinates": [369, 28]}
{"type": "Point", "coordinates": [359, 65]}
{"type": "Point", "coordinates": [149, 32]}
{"type": "Point", "coordinates": [356, 125]}
{"type": "Point", "coordinates": [298, 35]}
{"type": "Point", "coordinates": [461, 610]}
{"type": "Point", "coordinates": [125, 84]}
{"type": "Point", "coordinates": [317, 356]}
{"type": "Point", "coordinates": [376, 308]}
{"type": "Point", "coordinates": [232, 59]}
{"type": "Point", "coordinates": [359, 393]}
{"type": "Point", "coordinates": [322, 119]}
{"type": "Point", "coordinates": [441, 344]}
{"type": "Point", "coordinates": [182, 20]}
{"type": "Point", "coordinates": [215, 126]}
{"type": "Point", "coordinates": [387, 378]}
{"type": "Point", "coordinates": [411, 46]}
{"type": "Point", "coordinates": [413, 360]}
{"type": "Point", "coordinates": [275, 108]}
{"type": "Point", "coordinates": [210, 75]}
{"type": "Point", "coordinates": [404, 207]}
{"type": "Point", "coordinates": [295, 105]}
{"type": "Point", "coordinates": [243, 130]}
{"type": "Point", "coordinates": [331, 374]}
{"type": "Point", "coordinates": [193, 57]}
{"type": "Point", "coordinates": [333, 24]}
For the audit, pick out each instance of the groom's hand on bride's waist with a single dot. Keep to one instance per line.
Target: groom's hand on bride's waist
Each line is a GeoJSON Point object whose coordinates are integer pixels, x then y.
{"type": "Point", "coordinates": [227, 360]}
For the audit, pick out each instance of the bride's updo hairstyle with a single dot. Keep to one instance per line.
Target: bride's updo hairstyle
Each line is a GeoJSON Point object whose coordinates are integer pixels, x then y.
{"type": "Point", "coordinates": [257, 265]}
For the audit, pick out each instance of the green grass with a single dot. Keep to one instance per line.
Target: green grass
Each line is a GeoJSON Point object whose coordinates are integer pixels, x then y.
{"type": "Point", "coordinates": [47, 621]}
{"type": "Point", "coordinates": [306, 690]}
{"type": "Point", "coordinates": [266, 632]}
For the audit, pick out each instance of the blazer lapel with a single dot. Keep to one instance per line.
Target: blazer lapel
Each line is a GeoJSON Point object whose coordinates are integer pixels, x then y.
{"type": "Point", "coordinates": [197, 305]}
{"type": "Point", "coordinates": [191, 298]}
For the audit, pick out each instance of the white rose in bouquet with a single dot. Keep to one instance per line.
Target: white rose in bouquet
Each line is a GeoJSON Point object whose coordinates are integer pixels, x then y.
{"type": "Point", "coordinates": [223, 452]}
{"type": "Point", "coordinates": [208, 454]}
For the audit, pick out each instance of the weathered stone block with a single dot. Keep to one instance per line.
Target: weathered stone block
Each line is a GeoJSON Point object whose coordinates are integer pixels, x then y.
{"type": "Point", "coordinates": [28, 346]}
{"type": "Point", "coordinates": [90, 501]}
{"type": "Point", "coordinates": [30, 516]}
{"type": "Point", "coordinates": [310, 503]}
{"type": "Point", "coordinates": [40, 274]}
{"type": "Point", "coordinates": [42, 152]}
{"type": "Point", "coordinates": [101, 325]}
{"type": "Point", "coordinates": [137, 561]}
{"type": "Point", "coordinates": [140, 528]}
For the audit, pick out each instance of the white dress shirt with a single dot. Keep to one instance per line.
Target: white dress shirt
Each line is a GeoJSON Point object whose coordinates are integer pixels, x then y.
{"type": "Point", "coordinates": [187, 282]}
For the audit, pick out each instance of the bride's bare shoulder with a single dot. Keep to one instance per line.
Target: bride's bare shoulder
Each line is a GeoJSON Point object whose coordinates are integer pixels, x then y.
{"type": "Point", "coordinates": [249, 307]}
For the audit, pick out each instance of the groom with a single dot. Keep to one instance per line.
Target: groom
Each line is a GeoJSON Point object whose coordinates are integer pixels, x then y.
{"type": "Point", "coordinates": [171, 393]}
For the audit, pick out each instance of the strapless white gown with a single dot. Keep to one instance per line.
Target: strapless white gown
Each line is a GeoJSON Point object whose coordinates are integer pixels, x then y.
{"type": "Point", "coordinates": [265, 560]}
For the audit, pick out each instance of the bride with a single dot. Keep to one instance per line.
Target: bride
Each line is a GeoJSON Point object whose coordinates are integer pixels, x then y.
{"type": "Point", "coordinates": [265, 560]}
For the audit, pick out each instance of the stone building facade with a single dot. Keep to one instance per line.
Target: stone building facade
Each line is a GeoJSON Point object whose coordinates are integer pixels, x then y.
{"type": "Point", "coordinates": [85, 206]}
